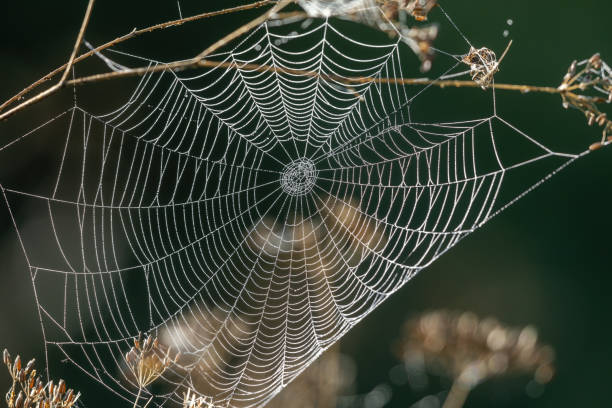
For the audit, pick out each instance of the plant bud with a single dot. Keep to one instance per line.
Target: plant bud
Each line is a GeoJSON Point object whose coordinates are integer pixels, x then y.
{"type": "Point", "coordinates": [572, 69]}
{"type": "Point", "coordinates": [7, 357]}
{"type": "Point", "coordinates": [595, 61]}
{"type": "Point", "coordinates": [17, 364]}
{"type": "Point", "coordinates": [602, 119]}
{"type": "Point", "coordinates": [19, 400]}
{"type": "Point", "coordinates": [30, 366]}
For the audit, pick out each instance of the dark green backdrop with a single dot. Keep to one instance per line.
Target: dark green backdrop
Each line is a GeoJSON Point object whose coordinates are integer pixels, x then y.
{"type": "Point", "coordinates": [545, 261]}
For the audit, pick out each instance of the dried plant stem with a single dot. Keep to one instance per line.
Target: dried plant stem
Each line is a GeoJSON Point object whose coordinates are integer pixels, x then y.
{"type": "Point", "coordinates": [137, 398]}
{"type": "Point", "coordinates": [457, 395]}
{"type": "Point", "coordinates": [78, 41]}
{"type": "Point", "coordinates": [66, 67]}
{"type": "Point", "coordinates": [190, 64]}
{"type": "Point", "coordinates": [200, 62]}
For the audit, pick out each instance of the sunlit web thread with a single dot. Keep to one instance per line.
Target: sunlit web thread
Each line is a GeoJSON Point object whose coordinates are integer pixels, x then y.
{"type": "Point", "coordinates": [170, 214]}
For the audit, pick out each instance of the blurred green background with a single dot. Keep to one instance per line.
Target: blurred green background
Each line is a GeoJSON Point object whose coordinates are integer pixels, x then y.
{"type": "Point", "coordinates": [545, 261]}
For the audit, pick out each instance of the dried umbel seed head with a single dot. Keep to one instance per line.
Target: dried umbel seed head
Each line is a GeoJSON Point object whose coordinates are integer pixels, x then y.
{"type": "Point", "coordinates": [586, 86]}
{"type": "Point", "coordinates": [28, 390]}
{"type": "Point", "coordinates": [148, 359]}
{"type": "Point", "coordinates": [472, 350]}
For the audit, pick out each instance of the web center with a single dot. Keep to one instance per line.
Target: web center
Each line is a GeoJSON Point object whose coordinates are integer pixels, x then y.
{"type": "Point", "coordinates": [299, 177]}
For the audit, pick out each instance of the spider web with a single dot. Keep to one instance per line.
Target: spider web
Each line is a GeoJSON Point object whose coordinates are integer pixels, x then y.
{"type": "Point", "coordinates": [249, 218]}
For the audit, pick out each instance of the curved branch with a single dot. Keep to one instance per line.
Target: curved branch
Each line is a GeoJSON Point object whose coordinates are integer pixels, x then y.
{"type": "Point", "coordinates": [66, 67]}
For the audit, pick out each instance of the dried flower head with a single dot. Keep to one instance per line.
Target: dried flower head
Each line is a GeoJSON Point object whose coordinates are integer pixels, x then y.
{"type": "Point", "coordinates": [420, 9]}
{"type": "Point", "coordinates": [148, 360]}
{"type": "Point", "coordinates": [28, 390]}
{"type": "Point", "coordinates": [483, 65]}
{"type": "Point", "coordinates": [593, 79]}
{"type": "Point", "coordinates": [390, 21]}
{"type": "Point", "coordinates": [471, 350]}
{"type": "Point", "coordinates": [420, 40]}
{"type": "Point", "coordinates": [191, 401]}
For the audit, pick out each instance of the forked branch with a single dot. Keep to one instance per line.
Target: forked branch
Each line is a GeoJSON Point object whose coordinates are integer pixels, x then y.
{"type": "Point", "coordinates": [65, 69]}
{"type": "Point", "coordinates": [483, 66]}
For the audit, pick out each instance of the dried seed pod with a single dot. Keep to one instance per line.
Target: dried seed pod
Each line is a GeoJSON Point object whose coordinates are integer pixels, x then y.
{"type": "Point", "coordinates": [17, 364]}
{"type": "Point", "coordinates": [147, 343]}
{"type": "Point", "coordinates": [595, 61]}
{"type": "Point", "coordinates": [61, 386]}
{"type": "Point", "coordinates": [6, 357]}
{"type": "Point", "coordinates": [602, 119]}
{"type": "Point", "coordinates": [19, 400]}
{"type": "Point", "coordinates": [30, 366]}
{"type": "Point", "coordinates": [591, 118]}
{"type": "Point", "coordinates": [572, 69]}
{"type": "Point", "coordinates": [595, 146]}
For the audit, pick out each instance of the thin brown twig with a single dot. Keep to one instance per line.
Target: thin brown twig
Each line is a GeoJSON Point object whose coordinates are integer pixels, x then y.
{"type": "Point", "coordinates": [200, 62]}
{"type": "Point", "coordinates": [77, 43]}
{"type": "Point", "coordinates": [180, 65]}
{"type": "Point", "coordinates": [66, 68]}
{"type": "Point", "coordinates": [119, 40]}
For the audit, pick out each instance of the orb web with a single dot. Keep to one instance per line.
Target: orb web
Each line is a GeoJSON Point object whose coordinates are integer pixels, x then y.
{"type": "Point", "coordinates": [250, 217]}
{"type": "Point", "coordinates": [299, 177]}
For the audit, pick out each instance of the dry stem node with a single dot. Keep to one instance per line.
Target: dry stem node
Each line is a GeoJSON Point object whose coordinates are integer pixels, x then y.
{"type": "Point", "coordinates": [28, 390]}
{"type": "Point", "coordinates": [592, 77]}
